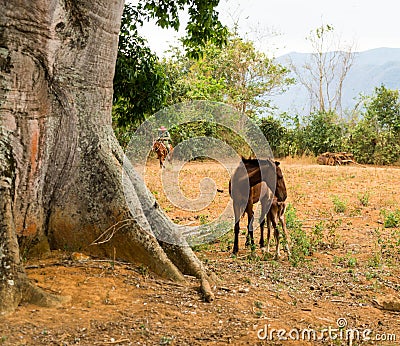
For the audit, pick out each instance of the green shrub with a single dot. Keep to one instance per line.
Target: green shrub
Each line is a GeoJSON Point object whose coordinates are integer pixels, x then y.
{"type": "Point", "coordinates": [391, 219]}
{"type": "Point", "coordinates": [340, 205]}
{"type": "Point", "coordinates": [300, 242]}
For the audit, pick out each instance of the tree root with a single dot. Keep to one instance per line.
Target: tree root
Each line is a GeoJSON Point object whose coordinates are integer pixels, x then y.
{"type": "Point", "coordinates": [35, 295]}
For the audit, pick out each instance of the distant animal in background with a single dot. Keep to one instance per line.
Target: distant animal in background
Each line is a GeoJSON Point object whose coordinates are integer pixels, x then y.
{"type": "Point", "coordinates": [162, 152]}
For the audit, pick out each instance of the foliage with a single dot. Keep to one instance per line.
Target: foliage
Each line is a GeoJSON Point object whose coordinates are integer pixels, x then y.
{"type": "Point", "coordinates": [140, 82]}
{"type": "Point", "coordinates": [387, 247]}
{"type": "Point", "coordinates": [186, 131]}
{"type": "Point", "coordinates": [275, 133]}
{"type": "Point", "coordinates": [376, 137]}
{"type": "Point", "coordinates": [203, 25]}
{"type": "Point", "coordinates": [364, 198]}
{"type": "Point", "coordinates": [363, 140]}
{"type": "Point", "coordinates": [373, 138]}
{"type": "Point", "coordinates": [385, 108]}
{"type": "Point", "coordinates": [391, 218]}
{"type": "Point", "coordinates": [339, 205]}
{"type": "Point", "coordinates": [237, 75]}
{"type": "Point", "coordinates": [324, 132]}
{"type": "Point", "coordinates": [141, 85]}
{"type": "Point", "coordinates": [243, 77]}
{"type": "Point", "coordinates": [301, 246]}
{"type": "Point", "coordinates": [317, 133]}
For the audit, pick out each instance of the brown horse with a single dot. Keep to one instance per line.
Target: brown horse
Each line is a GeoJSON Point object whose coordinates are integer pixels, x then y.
{"type": "Point", "coordinates": [162, 152]}
{"type": "Point", "coordinates": [245, 189]}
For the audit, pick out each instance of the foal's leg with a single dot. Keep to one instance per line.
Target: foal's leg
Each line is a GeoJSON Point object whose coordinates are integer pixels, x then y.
{"type": "Point", "coordinates": [274, 221]}
{"type": "Point", "coordinates": [269, 221]}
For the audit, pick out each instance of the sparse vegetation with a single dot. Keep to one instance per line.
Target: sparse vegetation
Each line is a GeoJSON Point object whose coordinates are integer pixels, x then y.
{"type": "Point", "coordinates": [340, 205]}
{"type": "Point", "coordinates": [364, 198]}
{"type": "Point", "coordinates": [391, 218]}
{"type": "Point", "coordinates": [301, 245]}
{"type": "Point", "coordinates": [348, 261]}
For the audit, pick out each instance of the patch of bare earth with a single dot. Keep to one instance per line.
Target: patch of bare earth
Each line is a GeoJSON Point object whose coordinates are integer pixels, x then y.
{"type": "Point", "coordinates": [353, 268]}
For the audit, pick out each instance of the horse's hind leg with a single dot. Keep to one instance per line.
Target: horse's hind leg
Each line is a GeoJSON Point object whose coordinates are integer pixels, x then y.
{"type": "Point", "coordinates": [262, 223]}
{"type": "Point", "coordinates": [237, 229]}
{"type": "Point", "coordinates": [250, 217]}
{"type": "Point", "coordinates": [236, 241]}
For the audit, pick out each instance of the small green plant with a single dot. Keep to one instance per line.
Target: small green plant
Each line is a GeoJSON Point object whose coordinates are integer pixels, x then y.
{"type": "Point", "coordinates": [347, 261]}
{"type": "Point", "coordinates": [165, 340]}
{"type": "Point", "coordinates": [258, 304]}
{"type": "Point", "coordinates": [333, 237]}
{"type": "Point", "coordinates": [364, 198]}
{"type": "Point", "coordinates": [351, 261]}
{"type": "Point", "coordinates": [339, 205]}
{"type": "Point", "coordinates": [203, 219]}
{"type": "Point", "coordinates": [391, 219]}
{"type": "Point", "coordinates": [317, 235]}
{"type": "Point", "coordinates": [143, 270]}
{"type": "Point", "coordinates": [389, 245]}
{"type": "Point", "coordinates": [375, 261]}
{"type": "Point", "coordinates": [259, 313]}
{"type": "Point", "coordinates": [201, 247]}
{"type": "Point", "coordinates": [3, 339]}
{"type": "Point", "coordinates": [300, 241]}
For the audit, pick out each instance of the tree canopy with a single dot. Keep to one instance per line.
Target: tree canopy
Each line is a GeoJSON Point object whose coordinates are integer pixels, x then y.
{"type": "Point", "coordinates": [237, 74]}
{"type": "Point", "coordinates": [140, 82]}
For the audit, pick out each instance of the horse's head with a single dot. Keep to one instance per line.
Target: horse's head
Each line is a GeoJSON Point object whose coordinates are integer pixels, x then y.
{"type": "Point", "coordinates": [280, 190]}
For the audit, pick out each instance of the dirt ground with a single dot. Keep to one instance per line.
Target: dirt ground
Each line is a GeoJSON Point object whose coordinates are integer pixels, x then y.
{"type": "Point", "coordinates": [351, 278]}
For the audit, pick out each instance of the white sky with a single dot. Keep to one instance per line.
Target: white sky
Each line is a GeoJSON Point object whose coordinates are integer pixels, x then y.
{"type": "Point", "coordinates": [363, 24]}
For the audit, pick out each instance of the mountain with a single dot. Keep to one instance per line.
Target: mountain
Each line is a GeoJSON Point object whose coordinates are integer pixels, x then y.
{"type": "Point", "coordinates": [370, 69]}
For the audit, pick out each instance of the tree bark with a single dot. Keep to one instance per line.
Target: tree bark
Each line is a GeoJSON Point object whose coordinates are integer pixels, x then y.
{"type": "Point", "coordinates": [61, 166]}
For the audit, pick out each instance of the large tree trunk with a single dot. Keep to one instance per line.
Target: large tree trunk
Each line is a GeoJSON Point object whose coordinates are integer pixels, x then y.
{"type": "Point", "coordinates": [60, 164]}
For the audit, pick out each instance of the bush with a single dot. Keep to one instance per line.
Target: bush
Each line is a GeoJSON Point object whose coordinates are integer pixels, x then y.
{"type": "Point", "coordinates": [324, 132]}
{"type": "Point", "coordinates": [301, 245]}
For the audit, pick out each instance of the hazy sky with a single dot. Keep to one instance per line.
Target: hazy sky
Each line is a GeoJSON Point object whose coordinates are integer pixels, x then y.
{"type": "Point", "coordinates": [364, 24]}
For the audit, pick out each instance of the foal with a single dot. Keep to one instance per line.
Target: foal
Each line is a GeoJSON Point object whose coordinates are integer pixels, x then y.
{"type": "Point", "coordinates": [272, 210]}
{"type": "Point", "coordinates": [275, 214]}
